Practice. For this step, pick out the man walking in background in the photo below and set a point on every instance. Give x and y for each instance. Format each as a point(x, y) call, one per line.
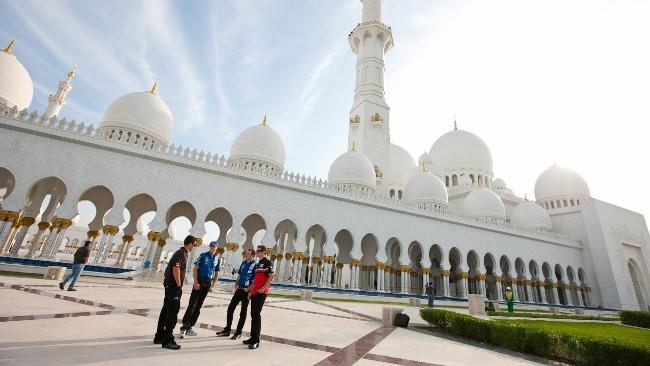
point(173, 282)
point(242, 287)
point(206, 273)
point(80, 260)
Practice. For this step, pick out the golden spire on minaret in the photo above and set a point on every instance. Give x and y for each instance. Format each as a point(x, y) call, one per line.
point(72, 72)
point(153, 88)
point(354, 146)
point(9, 47)
point(455, 124)
point(264, 120)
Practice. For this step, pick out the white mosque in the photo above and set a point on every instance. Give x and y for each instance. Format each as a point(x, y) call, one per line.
point(380, 222)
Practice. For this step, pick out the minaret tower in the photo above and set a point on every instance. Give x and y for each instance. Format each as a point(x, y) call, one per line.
point(57, 101)
point(369, 119)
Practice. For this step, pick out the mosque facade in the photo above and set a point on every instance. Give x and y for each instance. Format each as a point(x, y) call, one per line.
point(380, 221)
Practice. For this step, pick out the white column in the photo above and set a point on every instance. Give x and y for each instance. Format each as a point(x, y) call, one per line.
point(482, 289)
point(445, 281)
point(6, 225)
point(127, 240)
point(557, 292)
point(542, 292)
point(42, 226)
point(530, 291)
point(25, 223)
point(499, 287)
point(51, 239)
point(157, 254)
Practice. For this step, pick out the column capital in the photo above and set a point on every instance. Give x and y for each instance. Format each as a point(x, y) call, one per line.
point(3, 215)
point(154, 235)
point(198, 242)
point(162, 242)
point(110, 229)
point(127, 238)
point(43, 225)
point(498, 278)
point(65, 223)
point(10, 215)
point(355, 263)
point(380, 265)
point(481, 277)
point(554, 284)
point(232, 247)
point(405, 268)
point(426, 271)
point(445, 273)
point(27, 221)
point(463, 275)
point(92, 234)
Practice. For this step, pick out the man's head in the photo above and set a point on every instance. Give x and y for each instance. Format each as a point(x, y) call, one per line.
point(213, 248)
point(188, 243)
point(261, 251)
point(88, 243)
point(249, 254)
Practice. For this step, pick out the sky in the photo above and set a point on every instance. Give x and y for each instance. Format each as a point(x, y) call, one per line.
point(541, 82)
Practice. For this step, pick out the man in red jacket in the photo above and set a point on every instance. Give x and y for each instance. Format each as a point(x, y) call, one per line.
point(257, 295)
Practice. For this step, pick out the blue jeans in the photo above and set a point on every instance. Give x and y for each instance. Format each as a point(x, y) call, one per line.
point(74, 275)
point(430, 298)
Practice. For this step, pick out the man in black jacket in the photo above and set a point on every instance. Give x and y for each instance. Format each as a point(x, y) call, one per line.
point(173, 282)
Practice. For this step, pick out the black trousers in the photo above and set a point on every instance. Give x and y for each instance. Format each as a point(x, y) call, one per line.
point(194, 306)
point(168, 315)
point(239, 296)
point(257, 302)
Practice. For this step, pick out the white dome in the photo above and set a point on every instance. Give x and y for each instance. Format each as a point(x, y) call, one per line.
point(529, 215)
point(352, 168)
point(400, 165)
point(425, 187)
point(499, 184)
point(560, 182)
point(465, 180)
point(484, 203)
point(16, 87)
point(143, 112)
point(426, 159)
point(461, 150)
point(259, 142)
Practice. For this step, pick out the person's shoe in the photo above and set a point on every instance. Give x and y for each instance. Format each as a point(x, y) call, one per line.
point(254, 345)
point(171, 345)
point(190, 332)
point(237, 335)
point(61, 285)
point(157, 341)
point(181, 335)
point(224, 333)
point(72, 289)
point(248, 341)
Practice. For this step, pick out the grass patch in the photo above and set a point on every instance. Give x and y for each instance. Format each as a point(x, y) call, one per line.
point(635, 336)
point(20, 274)
point(551, 316)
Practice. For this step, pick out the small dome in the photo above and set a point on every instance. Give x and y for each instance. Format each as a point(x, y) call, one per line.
point(425, 187)
point(143, 112)
point(461, 150)
point(400, 165)
point(261, 143)
point(560, 182)
point(352, 168)
point(529, 215)
point(16, 87)
point(484, 203)
point(499, 184)
point(425, 159)
point(465, 180)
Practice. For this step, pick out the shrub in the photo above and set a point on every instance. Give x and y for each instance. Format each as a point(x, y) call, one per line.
point(550, 316)
point(636, 318)
point(527, 338)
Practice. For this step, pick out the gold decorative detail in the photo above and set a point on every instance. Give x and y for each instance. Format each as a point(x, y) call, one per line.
point(162, 242)
point(339, 265)
point(43, 225)
point(153, 88)
point(356, 119)
point(378, 172)
point(154, 235)
point(445, 273)
point(264, 120)
point(463, 275)
point(481, 277)
point(426, 271)
point(554, 285)
point(269, 251)
point(92, 234)
point(11, 216)
point(354, 146)
point(380, 265)
point(329, 259)
point(376, 118)
point(298, 256)
point(232, 246)
point(528, 282)
point(220, 250)
point(404, 267)
point(27, 221)
point(288, 256)
point(65, 223)
point(198, 242)
point(110, 229)
point(3, 215)
point(127, 238)
point(9, 47)
point(72, 72)
point(513, 281)
point(355, 263)
point(498, 278)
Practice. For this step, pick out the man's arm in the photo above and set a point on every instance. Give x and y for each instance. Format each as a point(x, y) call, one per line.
point(177, 276)
point(195, 274)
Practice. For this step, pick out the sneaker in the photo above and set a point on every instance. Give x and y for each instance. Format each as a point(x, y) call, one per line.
point(248, 341)
point(224, 333)
point(254, 345)
point(190, 332)
point(237, 335)
point(181, 335)
point(61, 285)
point(171, 345)
point(72, 289)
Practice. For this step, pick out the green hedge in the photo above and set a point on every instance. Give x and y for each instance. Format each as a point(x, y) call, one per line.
point(636, 318)
point(533, 340)
point(550, 316)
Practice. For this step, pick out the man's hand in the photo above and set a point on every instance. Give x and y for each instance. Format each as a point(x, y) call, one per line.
point(249, 295)
point(196, 286)
point(210, 289)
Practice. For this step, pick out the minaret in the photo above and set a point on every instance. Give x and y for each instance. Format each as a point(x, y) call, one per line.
point(57, 101)
point(369, 119)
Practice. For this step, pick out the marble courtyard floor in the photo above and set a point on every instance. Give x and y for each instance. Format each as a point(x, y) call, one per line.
point(111, 322)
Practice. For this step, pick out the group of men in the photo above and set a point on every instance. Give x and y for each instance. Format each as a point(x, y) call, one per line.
point(252, 286)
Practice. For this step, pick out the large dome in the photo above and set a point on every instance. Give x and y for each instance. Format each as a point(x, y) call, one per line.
point(461, 150)
point(529, 215)
point(425, 187)
point(353, 169)
point(484, 203)
point(16, 87)
point(400, 165)
point(259, 143)
point(143, 112)
point(560, 182)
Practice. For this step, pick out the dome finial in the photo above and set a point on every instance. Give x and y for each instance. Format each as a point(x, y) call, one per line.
point(455, 124)
point(72, 72)
point(264, 120)
point(354, 146)
point(153, 88)
point(9, 47)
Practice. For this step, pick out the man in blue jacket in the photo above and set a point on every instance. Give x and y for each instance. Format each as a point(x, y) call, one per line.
point(242, 286)
point(206, 273)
